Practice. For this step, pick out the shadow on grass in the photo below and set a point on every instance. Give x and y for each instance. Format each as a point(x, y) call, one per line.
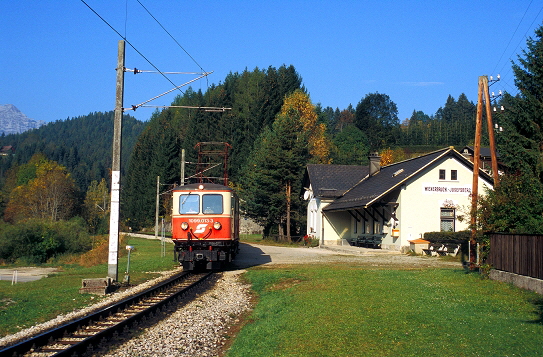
point(538, 304)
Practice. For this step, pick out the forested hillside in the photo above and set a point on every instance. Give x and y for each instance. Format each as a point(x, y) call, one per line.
point(81, 144)
point(271, 114)
point(256, 98)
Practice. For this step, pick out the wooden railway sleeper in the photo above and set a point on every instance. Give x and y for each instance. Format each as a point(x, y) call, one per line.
point(93, 332)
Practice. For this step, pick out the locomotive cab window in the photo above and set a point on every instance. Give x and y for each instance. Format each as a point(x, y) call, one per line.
point(212, 204)
point(189, 204)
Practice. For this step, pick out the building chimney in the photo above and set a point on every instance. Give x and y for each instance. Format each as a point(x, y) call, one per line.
point(375, 163)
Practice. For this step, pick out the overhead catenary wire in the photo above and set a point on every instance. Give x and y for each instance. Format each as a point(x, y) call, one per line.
point(512, 36)
point(134, 48)
point(525, 35)
point(173, 38)
point(508, 76)
point(135, 70)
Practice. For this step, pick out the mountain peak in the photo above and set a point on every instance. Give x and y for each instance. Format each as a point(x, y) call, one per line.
point(13, 121)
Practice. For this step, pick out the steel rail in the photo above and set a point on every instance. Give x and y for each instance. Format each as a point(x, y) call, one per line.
point(72, 328)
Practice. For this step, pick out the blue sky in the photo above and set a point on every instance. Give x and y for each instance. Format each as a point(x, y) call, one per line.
point(57, 58)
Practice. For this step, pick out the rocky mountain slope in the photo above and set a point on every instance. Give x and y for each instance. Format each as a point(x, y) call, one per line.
point(13, 121)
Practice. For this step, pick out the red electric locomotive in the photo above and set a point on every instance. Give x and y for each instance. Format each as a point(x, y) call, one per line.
point(205, 225)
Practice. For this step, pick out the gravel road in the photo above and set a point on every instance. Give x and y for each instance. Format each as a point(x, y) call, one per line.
point(263, 255)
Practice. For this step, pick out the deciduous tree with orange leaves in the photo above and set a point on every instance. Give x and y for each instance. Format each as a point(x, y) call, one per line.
point(50, 195)
point(298, 103)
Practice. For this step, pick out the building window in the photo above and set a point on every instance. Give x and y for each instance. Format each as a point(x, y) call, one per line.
point(376, 227)
point(447, 219)
point(454, 175)
point(442, 174)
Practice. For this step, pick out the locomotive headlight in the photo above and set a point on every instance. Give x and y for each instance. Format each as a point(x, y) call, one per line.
point(217, 225)
point(184, 226)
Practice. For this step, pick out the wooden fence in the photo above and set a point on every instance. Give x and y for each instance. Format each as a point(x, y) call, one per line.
point(516, 253)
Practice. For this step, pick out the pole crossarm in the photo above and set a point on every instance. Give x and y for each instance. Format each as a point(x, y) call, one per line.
point(207, 109)
point(136, 71)
point(134, 107)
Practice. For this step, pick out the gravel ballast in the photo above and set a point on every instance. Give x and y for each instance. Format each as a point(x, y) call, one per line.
point(199, 328)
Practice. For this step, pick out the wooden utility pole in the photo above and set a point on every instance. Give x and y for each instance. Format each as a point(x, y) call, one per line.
point(476, 163)
point(288, 193)
point(483, 88)
point(490, 126)
point(113, 258)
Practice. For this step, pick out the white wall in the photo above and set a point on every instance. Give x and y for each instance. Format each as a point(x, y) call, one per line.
point(337, 226)
point(419, 205)
point(421, 199)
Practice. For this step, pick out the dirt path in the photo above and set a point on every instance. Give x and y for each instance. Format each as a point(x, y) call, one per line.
point(25, 274)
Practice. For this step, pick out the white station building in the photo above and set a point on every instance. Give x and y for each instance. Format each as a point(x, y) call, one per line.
point(392, 204)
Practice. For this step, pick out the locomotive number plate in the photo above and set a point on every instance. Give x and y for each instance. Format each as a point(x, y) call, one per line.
point(201, 220)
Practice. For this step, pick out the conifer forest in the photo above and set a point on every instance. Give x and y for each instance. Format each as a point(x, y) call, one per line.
point(274, 131)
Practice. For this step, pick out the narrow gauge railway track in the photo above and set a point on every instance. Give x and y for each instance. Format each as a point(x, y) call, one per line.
point(82, 335)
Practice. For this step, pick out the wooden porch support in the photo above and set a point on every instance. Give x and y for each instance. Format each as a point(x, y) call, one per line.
point(361, 215)
point(371, 215)
point(388, 208)
point(354, 216)
point(380, 215)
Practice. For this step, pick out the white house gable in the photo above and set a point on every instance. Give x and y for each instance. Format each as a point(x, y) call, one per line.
point(397, 203)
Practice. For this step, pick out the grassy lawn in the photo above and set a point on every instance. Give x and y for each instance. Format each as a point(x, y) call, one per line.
point(358, 311)
point(328, 310)
point(25, 304)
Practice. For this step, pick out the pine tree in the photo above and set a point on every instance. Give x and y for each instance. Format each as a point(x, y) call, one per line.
point(377, 115)
point(275, 167)
point(521, 144)
point(515, 205)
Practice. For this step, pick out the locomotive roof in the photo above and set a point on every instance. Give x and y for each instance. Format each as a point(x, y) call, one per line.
point(207, 186)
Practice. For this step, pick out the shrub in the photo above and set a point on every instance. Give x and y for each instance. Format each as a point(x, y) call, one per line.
point(448, 237)
point(461, 238)
point(36, 241)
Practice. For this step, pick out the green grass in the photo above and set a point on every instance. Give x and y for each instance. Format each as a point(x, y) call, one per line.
point(354, 311)
point(25, 304)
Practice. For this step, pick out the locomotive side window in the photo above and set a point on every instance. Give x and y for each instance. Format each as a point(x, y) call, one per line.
point(189, 204)
point(212, 204)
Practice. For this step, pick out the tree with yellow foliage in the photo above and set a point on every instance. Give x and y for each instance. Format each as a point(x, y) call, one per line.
point(50, 195)
point(275, 167)
point(298, 103)
point(96, 205)
point(389, 156)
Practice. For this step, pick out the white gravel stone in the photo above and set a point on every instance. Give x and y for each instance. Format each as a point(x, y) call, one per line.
point(198, 328)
